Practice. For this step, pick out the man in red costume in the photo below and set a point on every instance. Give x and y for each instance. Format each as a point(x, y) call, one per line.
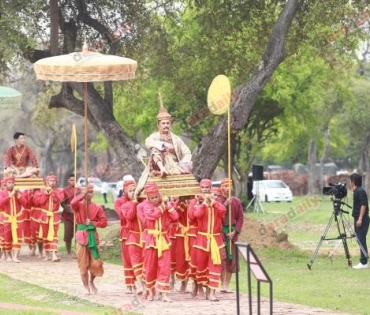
point(89, 216)
point(69, 192)
point(48, 200)
point(133, 245)
point(210, 215)
point(231, 233)
point(205, 186)
point(35, 215)
point(29, 225)
point(20, 161)
point(128, 271)
point(157, 256)
point(11, 202)
point(182, 240)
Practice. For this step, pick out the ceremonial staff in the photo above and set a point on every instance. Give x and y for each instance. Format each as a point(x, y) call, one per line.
point(74, 150)
point(218, 100)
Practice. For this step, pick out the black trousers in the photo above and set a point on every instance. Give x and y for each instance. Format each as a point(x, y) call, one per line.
point(361, 233)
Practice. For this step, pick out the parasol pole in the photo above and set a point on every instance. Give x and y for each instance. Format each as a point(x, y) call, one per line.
point(86, 146)
point(229, 169)
point(74, 149)
point(218, 100)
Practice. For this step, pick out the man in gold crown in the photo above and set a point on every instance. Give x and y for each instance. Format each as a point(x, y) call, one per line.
point(169, 155)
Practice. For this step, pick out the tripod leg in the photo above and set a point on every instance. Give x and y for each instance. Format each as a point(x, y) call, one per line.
point(343, 237)
point(323, 237)
point(251, 202)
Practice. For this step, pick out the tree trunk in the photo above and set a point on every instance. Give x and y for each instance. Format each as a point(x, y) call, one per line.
point(323, 157)
point(54, 27)
point(365, 160)
point(100, 115)
point(212, 147)
point(311, 166)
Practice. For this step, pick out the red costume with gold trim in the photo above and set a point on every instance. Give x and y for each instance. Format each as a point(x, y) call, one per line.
point(128, 271)
point(11, 203)
point(209, 242)
point(30, 226)
point(157, 255)
point(20, 157)
point(182, 242)
point(134, 234)
point(192, 234)
point(48, 203)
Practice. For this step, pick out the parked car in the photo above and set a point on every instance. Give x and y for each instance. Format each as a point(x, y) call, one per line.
point(272, 190)
point(112, 186)
point(92, 181)
point(216, 183)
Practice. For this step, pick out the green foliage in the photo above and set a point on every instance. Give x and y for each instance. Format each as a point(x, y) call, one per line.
point(182, 45)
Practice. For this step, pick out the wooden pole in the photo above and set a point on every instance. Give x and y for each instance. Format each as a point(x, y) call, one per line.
point(86, 147)
point(229, 169)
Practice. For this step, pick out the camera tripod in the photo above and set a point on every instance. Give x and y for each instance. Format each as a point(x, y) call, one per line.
point(256, 202)
point(342, 226)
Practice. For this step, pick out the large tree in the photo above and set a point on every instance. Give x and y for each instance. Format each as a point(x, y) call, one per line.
point(258, 35)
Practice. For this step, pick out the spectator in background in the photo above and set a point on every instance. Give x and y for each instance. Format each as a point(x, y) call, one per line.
point(104, 191)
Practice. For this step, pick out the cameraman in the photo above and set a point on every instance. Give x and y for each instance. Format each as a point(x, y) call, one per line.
point(360, 213)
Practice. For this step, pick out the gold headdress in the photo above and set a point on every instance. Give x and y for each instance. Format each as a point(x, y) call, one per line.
point(162, 114)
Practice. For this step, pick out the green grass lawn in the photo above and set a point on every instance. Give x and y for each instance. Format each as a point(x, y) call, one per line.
point(43, 301)
point(331, 284)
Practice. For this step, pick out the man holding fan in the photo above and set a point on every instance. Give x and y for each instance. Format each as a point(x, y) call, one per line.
point(231, 228)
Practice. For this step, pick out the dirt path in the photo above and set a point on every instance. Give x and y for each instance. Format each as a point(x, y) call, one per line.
point(64, 277)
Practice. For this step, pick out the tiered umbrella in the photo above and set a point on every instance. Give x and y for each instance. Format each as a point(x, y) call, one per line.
point(85, 66)
point(9, 98)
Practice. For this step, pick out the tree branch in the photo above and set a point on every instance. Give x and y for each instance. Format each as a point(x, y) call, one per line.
point(213, 146)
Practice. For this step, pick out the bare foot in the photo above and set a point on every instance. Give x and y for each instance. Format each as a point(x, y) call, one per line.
point(151, 295)
point(128, 290)
point(194, 289)
point(144, 295)
point(87, 290)
point(93, 288)
point(9, 259)
point(183, 287)
point(56, 259)
point(139, 290)
point(207, 293)
point(165, 298)
point(16, 260)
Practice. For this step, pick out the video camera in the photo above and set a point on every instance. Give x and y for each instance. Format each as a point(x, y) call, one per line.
point(338, 190)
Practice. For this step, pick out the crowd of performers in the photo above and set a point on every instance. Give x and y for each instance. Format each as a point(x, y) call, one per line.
point(162, 239)
point(33, 216)
point(182, 238)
